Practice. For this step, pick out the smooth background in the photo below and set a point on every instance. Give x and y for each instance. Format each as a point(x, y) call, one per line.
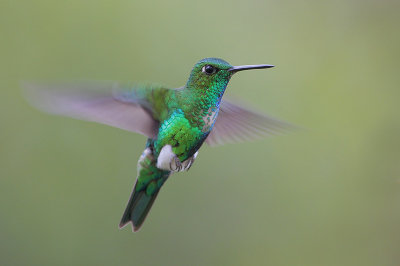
point(326, 195)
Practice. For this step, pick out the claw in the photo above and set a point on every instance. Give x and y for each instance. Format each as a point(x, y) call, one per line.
point(189, 162)
point(178, 164)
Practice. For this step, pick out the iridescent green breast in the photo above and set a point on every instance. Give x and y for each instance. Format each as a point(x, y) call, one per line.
point(178, 132)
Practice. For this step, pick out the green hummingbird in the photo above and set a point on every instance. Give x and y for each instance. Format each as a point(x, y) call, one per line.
point(176, 121)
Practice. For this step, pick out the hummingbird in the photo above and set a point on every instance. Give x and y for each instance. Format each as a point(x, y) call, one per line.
point(176, 121)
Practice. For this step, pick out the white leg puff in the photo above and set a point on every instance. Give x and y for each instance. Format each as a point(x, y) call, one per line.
point(167, 160)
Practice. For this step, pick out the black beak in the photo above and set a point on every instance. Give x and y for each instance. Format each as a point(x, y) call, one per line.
point(248, 67)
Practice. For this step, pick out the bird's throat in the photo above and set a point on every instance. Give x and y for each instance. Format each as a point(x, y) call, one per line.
point(201, 105)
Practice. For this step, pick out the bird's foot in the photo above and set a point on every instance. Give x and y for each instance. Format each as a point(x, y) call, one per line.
point(189, 162)
point(175, 164)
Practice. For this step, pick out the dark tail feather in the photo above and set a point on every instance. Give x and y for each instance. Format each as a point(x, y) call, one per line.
point(137, 209)
point(148, 184)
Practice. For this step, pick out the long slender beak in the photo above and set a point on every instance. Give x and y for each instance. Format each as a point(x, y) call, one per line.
point(248, 67)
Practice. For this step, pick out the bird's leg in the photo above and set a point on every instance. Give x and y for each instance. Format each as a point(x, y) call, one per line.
point(189, 162)
point(167, 160)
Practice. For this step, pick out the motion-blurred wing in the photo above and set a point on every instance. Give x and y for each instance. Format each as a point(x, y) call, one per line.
point(237, 123)
point(103, 103)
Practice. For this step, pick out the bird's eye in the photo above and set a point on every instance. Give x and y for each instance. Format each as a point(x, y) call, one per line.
point(209, 70)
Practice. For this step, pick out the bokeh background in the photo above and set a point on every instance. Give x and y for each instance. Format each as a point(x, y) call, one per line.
point(328, 194)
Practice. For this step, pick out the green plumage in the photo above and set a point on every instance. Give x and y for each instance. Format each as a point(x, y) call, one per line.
point(185, 121)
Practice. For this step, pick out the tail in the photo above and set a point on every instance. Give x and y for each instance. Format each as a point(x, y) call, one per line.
point(137, 209)
point(148, 184)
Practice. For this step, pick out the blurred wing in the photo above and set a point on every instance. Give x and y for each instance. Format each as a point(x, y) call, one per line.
point(236, 123)
point(97, 102)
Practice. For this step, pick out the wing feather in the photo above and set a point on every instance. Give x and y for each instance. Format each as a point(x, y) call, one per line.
point(238, 123)
point(100, 102)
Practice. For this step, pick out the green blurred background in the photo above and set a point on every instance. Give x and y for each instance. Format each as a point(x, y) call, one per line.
point(325, 195)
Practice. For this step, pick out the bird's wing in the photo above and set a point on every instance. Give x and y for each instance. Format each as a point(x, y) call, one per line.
point(237, 123)
point(102, 102)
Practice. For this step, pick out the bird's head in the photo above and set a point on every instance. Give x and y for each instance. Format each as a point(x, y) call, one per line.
point(213, 74)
